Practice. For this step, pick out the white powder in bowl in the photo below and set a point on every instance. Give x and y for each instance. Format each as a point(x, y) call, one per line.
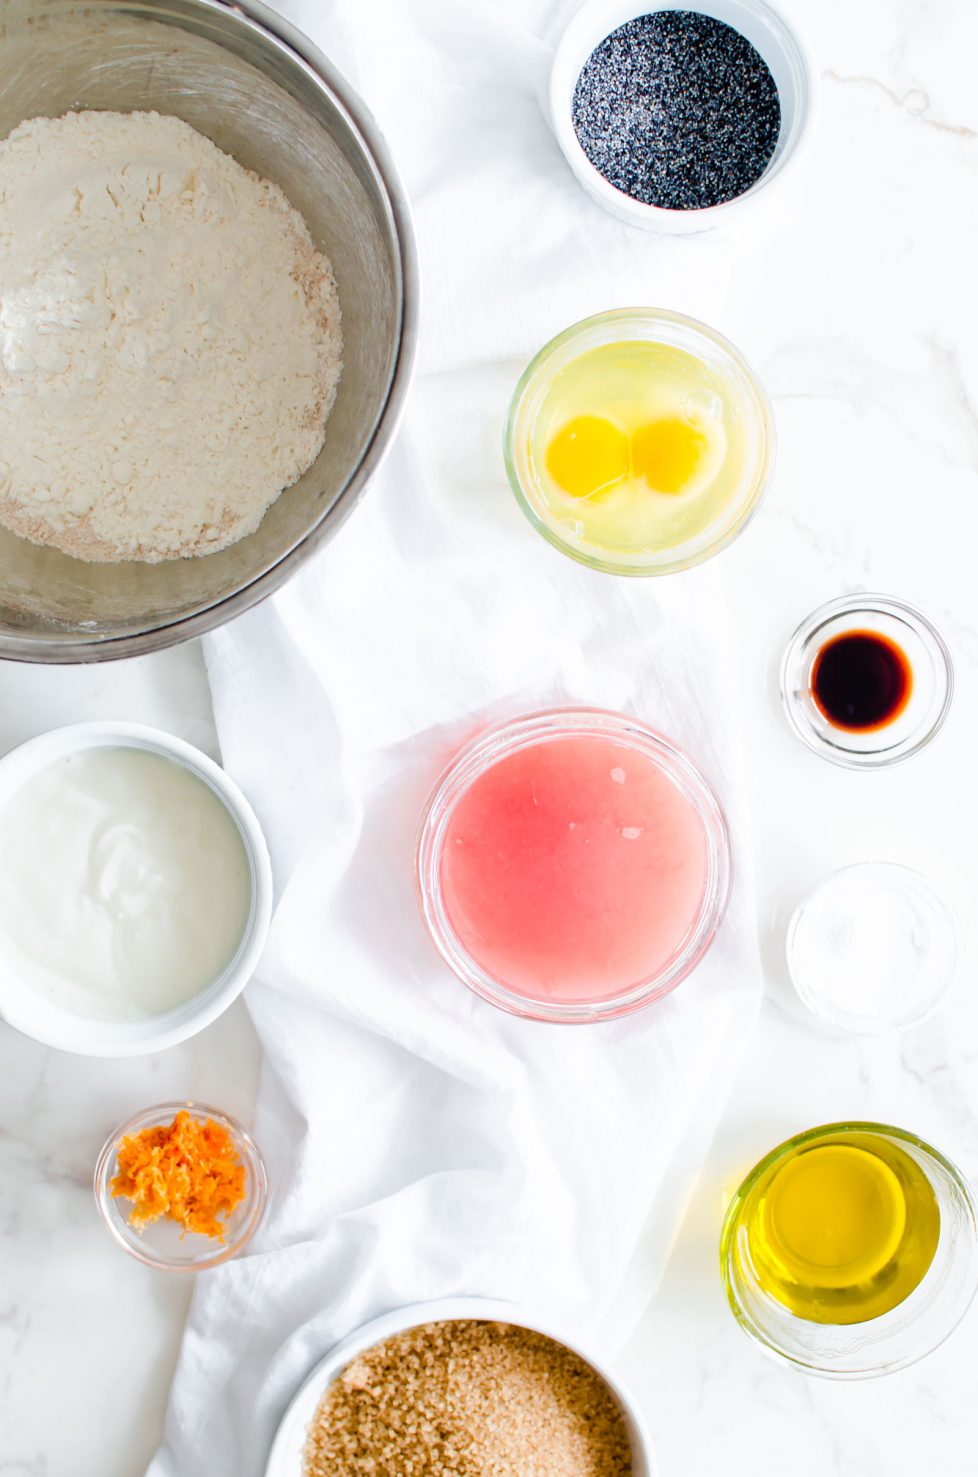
point(169, 339)
point(872, 948)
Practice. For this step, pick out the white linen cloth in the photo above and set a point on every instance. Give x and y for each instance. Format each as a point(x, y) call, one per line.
point(419, 1142)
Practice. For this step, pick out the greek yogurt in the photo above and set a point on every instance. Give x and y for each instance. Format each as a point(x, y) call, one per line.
point(125, 886)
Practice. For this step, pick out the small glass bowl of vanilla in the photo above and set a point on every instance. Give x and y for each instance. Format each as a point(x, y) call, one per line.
point(639, 442)
point(851, 1250)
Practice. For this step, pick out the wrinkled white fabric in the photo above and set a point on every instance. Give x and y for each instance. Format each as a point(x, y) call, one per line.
point(419, 1142)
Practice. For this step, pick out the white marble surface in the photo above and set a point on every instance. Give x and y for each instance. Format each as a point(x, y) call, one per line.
point(860, 315)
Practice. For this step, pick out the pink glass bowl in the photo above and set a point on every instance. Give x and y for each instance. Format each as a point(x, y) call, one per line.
point(541, 728)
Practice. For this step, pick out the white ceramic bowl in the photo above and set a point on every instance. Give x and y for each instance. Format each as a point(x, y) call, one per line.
point(765, 25)
point(286, 1456)
point(28, 1012)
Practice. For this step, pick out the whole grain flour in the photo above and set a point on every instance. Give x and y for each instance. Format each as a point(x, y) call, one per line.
point(170, 339)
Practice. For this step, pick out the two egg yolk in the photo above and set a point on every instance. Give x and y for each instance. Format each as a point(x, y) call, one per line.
point(590, 454)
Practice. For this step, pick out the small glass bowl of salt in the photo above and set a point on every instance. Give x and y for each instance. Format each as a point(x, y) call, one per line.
point(872, 949)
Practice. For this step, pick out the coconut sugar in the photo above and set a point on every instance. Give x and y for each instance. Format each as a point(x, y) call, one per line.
point(470, 1399)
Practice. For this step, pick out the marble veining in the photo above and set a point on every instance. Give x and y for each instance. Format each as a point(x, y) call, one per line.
point(858, 309)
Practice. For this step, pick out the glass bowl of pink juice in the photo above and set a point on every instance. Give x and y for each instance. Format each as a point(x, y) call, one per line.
point(573, 865)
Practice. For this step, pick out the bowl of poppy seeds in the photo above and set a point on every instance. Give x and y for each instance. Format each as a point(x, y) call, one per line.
point(674, 119)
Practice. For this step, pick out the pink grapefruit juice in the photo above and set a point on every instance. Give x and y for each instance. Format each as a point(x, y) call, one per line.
point(574, 869)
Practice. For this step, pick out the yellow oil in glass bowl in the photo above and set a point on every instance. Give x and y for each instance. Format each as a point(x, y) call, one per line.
point(639, 441)
point(851, 1250)
point(842, 1230)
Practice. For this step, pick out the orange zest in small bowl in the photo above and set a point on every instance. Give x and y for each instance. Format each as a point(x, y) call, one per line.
point(188, 1170)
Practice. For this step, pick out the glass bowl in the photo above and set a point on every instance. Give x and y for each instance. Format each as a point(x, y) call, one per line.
point(930, 696)
point(162, 1244)
point(528, 732)
point(655, 325)
point(914, 1328)
point(868, 978)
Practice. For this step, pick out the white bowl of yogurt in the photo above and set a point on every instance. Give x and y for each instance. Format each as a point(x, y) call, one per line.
point(135, 889)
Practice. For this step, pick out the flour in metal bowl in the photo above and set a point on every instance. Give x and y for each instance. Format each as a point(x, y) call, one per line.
point(169, 339)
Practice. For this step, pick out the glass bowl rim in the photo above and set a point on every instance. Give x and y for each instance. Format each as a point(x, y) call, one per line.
point(772, 1157)
point(159, 1114)
point(869, 603)
point(608, 564)
point(490, 745)
point(927, 888)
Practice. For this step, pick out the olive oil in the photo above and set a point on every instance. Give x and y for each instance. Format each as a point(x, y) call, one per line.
point(841, 1230)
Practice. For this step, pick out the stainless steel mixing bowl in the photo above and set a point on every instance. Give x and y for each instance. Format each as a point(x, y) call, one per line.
point(248, 80)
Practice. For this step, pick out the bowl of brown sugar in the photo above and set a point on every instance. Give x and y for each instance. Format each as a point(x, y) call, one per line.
point(461, 1386)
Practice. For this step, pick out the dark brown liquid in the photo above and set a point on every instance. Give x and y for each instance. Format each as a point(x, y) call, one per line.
point(861, 681)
